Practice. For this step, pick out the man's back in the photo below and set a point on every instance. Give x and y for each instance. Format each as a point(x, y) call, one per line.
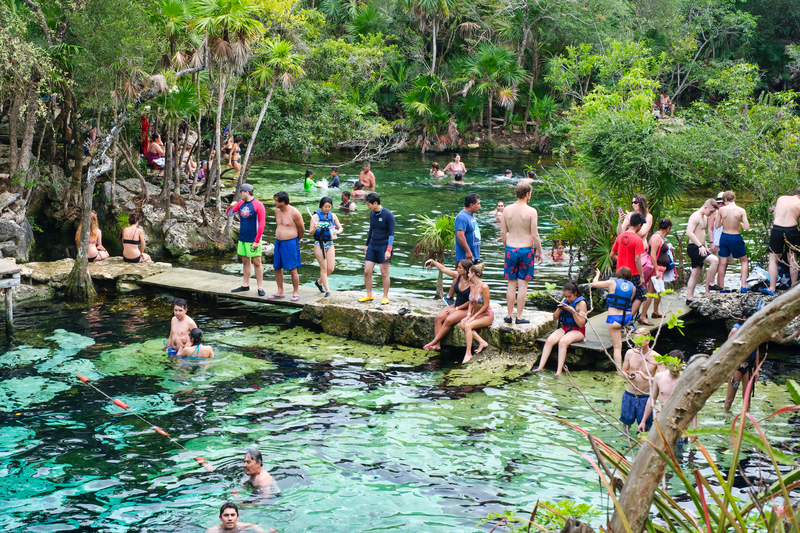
point(518, 219)
point(787, 211)
point(627, 246)
point(731, 217)
point(665, 381)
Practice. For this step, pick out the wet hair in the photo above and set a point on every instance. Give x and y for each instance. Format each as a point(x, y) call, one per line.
point(522, 189)
point(358, 186)
point(325, 200)
point(346, 194)
point(679, 354)
point(477, 269)
point(531, 174)
point(499, 202)
point(435, 166)
point(748, 312)
point(309, 173)
point(226, 506)
point(471, 199)
point(458, 176)
point(466, 264)
point(637, 219)
point(282, 197)
point(373, 198)
point(196, 335)
point(642, 199)
point(624, 273)
point(664, 91)
point(367, 164)
point(180, 302)
point(335, 169)
point(711, 203)
point(155, 136)
point(664, 223)
point(238, 139)
point(641, 332)
point(573, 288)
point(254, 454)
point(509, 172)
point(729, 196)
point(456, 155)
point(134, 218)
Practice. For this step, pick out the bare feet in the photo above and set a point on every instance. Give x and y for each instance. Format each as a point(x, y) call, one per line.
point(430, 346)
point(466, 358)
point(481, 346)
point(535, 370)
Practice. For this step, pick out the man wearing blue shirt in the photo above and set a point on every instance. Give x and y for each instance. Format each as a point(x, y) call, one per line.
point(379, 245)
point(468, 235)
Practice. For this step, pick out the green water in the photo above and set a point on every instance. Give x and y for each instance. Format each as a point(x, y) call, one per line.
point(358, 437)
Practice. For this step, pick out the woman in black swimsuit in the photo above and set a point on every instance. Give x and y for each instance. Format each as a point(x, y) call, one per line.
point(133, 241)
point(235, 154)
point(452, 314)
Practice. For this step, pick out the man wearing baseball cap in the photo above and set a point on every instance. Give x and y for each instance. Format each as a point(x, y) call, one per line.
point(252, 218)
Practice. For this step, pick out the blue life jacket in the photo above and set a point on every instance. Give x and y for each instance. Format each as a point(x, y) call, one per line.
point(752, 357)
point(567, 319)
point(324, 226)
point(623, 295)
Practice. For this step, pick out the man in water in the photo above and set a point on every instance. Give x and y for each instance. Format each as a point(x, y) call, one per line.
point(733, 220)
point(698, 252)
point(347, 204)
point(627, 251)
point(252, 218)
point(520, 235)
point(638, 368)
point(379, 246)
point(334, 178)
point(229, 516)
point(366, 177)
point(508, 175)
point(468, 235)
point(256, 476)
point(784, 229)
point(287, 245)
point(663, 386)
point(180, 326)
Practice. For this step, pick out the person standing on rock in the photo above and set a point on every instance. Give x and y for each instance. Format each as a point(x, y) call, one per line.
point(783, 237)
point(627, 251)
point(287, 245)
point(520, 235)
point(252, 218)
point(378, 250)
point(733, 220)
point(325, 226)
point(468, 235)
point(698, 252)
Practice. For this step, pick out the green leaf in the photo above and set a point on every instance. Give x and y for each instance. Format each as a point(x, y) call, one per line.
point(794, 390)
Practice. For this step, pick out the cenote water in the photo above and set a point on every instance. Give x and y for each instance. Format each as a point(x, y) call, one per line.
point(358, 437)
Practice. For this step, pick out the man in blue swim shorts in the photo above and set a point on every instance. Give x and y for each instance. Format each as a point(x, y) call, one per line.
point(287, 245)
point(733, 220)
point(520, 235)
point(180, 326)
point(638, 369)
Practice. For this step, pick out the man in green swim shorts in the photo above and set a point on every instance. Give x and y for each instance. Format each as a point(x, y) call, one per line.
point(252, 218)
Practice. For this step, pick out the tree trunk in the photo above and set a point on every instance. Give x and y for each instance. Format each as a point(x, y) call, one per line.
point(433, 44)
point(193, 193)
point(520, 57)
point(13, 119)
point(126, 153)
point(169, 168)
point(697, 383)
point(26, 153)
point(77, 171)
point(489, 118)
point(217, 140)
point(113, 199)
point(246, 160)
point(534, 75)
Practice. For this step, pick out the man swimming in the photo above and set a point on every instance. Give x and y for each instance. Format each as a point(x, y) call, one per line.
point(180, 326)
point(347, 204)
point(358, 191)
point(229, 516)
point(334, 178)
point(256, 476)
point(366, 177)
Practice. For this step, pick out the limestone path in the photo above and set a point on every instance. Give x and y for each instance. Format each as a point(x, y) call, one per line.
point(670, 303)
point(221, 284)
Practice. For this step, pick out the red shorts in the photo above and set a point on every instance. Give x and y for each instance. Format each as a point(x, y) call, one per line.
point(567, 329)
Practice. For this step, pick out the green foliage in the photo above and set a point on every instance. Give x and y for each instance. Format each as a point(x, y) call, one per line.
point(436, 236)
point(122, 221)
point(548, 515)
point(794, 390)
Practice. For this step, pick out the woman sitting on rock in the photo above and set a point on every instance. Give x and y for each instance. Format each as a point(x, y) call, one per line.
point(96, 251)
point(571, 316)
point(133, 241)
point(155, 153)
point(479, 311)
point(452, 314)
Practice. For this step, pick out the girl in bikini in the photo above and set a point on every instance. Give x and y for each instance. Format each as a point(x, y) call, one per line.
point(192, 349)
point(96, 251)
point(456, 165)
point(456, 311)
point(479, 311)
point(133, 241)
point(235, 154)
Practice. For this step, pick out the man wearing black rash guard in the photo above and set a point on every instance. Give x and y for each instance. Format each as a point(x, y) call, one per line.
point(379, 245)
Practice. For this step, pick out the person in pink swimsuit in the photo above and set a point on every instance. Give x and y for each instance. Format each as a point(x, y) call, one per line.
point(479, 312)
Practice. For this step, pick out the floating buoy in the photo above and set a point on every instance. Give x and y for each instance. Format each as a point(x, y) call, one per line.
point(120, 403)
point(85, 380)
point(161, 431)
point(205, 464)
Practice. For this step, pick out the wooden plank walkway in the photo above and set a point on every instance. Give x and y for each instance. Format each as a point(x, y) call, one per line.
point(220, 285)
point(671, 303)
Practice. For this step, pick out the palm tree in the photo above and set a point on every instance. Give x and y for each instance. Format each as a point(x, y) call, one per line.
point(425, 106)
point(430, 14)
point(436, 237)
point(229, 27)
point(493, 72)
point(174, 19)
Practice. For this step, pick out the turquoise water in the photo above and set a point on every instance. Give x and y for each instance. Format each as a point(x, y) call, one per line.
point(358, 437)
